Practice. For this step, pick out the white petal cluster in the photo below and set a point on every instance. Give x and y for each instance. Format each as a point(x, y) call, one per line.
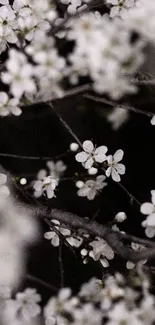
point(89, 156)
point(141, 19)
point(49, 65)
point(116, 58)
point(23, 309)
point(52, 235)
point(9, 106)
point(148, 208)
point(101, 251)
point(56, 308)
point(47, 182)
point(92, 187)
point(21, 20)
point(118, 117)
point(115, 169)
point(110, 301)
point(46, 185)
point(121, 7)
point(19, 74)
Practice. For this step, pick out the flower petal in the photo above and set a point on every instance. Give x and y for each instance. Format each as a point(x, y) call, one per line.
point(115, 176)
point(89, 163)
point(101, 150)
point(120, 169)
point(38, 185)
point(88, 146)
point(108, 171)
point(151, 220)
point(91, 194)
point(118, 155)
point(81, 156)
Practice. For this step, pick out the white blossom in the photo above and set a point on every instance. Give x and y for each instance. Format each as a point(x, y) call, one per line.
point(54, 236)
point(27, 303)
point(91, 155)
point(19, 74)
point(101, 251)
point(118, 117)
point(148, 209)
point(57, 306)
point(57, 168)
point(91, 187)
point(114, 167)
point(121, 8)
point(46, 185)
point(9, 106)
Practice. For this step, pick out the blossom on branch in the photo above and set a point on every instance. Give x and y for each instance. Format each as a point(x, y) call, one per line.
point(91, 155)
point(115, 169)
point(92, 187)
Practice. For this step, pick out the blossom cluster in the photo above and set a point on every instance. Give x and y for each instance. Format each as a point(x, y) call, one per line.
point(48, 183)
point(111, 302)
point(35, 71)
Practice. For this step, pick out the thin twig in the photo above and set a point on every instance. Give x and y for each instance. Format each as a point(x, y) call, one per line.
point(42, 282)
point(115, 104)
point(9, 155)
point(61, 265)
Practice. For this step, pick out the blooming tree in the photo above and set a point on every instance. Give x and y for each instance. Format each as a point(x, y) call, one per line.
point(53, 50)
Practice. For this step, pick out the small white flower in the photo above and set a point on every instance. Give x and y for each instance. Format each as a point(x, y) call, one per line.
point(47, 184)
point(56, 169)
point(91, 155)
point(101, 251)
point(19, 74)
point(9, 106)
point(92, 187)
point(27, 303)
point(52, 235)
point(114, 167)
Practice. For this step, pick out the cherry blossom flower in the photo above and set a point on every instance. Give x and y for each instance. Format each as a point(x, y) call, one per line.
point(91, 155)
point(54, 311)
point(114, 167)
point(120, 8)
point(27, 303)
point(57, 168)
point(9, 106)
point(118, 117)
point(46, 185)
point(92, 187)
point(19, 74)
point(54, 237)
point(148, 209)
point(101, 251)
point(82, 316)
